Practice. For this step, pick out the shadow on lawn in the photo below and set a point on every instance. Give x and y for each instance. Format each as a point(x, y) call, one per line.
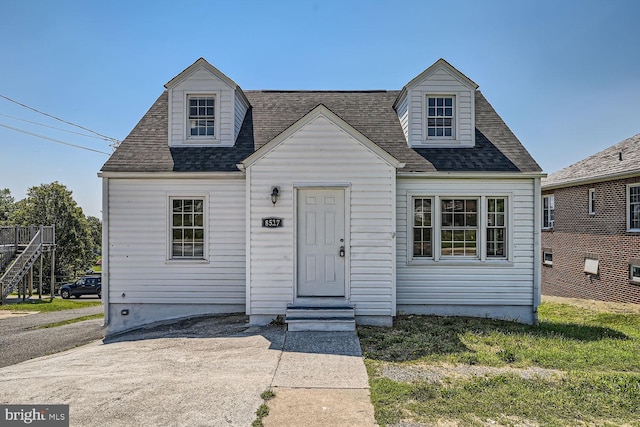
point(413, 337)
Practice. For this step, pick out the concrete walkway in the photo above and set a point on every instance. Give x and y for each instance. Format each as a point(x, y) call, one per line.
point(201, 372)
point(320, 381)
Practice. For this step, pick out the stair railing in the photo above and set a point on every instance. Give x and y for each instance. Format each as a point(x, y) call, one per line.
point(16, 271)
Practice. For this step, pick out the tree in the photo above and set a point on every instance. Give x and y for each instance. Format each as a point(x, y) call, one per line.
point(95, 234)
point(6, 205)
point(53, 204)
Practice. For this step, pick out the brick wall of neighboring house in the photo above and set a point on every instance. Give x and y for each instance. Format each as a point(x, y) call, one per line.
point(577, 234)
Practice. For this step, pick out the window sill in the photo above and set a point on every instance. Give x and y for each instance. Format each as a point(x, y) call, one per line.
point(547, 264)
point(634, 282)
point(186, 261)
point(196, 140)
point(447, 262)
point(442, 143)
point(547, 230)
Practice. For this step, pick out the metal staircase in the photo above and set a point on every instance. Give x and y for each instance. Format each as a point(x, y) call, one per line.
point(38, 238)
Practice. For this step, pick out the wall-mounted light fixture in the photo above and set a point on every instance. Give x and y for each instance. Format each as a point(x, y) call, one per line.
point(275, 193)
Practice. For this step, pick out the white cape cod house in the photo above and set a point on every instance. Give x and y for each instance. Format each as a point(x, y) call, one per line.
point(338, 205)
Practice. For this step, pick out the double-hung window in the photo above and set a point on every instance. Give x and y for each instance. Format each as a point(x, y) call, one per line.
point(441, 116)
point(187, 228)
point(496, 227)
point(202, 116)
point(459, 227)
point(422, 227)
point(548, 211)
point(633, 207)
point(444, 227)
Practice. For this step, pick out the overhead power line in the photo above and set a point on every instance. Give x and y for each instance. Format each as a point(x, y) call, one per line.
point(54, 140)
point(114, 140)
point(60, 129)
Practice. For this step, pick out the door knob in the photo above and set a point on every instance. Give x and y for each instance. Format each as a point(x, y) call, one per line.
point(341, 251)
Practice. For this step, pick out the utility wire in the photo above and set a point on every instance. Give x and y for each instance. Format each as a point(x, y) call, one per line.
point(60, 129)
point(54, 140)
point(59, 119)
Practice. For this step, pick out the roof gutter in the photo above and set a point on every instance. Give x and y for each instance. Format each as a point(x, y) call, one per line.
point(472, 175)
point(591, 179)
point(172, 175)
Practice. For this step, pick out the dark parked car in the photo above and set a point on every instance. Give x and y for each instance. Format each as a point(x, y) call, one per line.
point(90, 285)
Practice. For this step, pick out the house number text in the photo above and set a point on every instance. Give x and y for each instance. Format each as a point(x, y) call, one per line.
point(271, 222)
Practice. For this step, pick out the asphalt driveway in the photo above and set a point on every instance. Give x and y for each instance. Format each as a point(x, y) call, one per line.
point(21, 339)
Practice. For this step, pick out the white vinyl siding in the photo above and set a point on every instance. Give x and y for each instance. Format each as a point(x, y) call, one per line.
point(442, 83)
point(473, 282)
point(241, 107)
point(321, 154)
point(140, 267)
point(202, 83)
point(403, 115)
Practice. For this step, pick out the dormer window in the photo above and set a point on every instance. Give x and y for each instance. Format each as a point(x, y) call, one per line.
point(441, 116)
point(202, 116)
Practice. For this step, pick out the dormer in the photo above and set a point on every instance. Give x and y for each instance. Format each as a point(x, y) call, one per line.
point(206, 108)
point(437, 108)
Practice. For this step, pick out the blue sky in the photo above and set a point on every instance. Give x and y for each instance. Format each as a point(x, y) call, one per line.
point(564, 75)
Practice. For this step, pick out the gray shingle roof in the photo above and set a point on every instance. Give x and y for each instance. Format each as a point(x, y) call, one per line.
point(619, 159)
point(146, 148)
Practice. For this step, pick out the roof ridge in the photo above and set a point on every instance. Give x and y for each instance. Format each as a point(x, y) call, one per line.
point(611, 149)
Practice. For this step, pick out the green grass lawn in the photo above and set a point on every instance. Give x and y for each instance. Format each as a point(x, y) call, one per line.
point(578, 367)
point(46, 304)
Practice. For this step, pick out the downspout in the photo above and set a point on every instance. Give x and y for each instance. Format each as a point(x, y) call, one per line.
point(537, 250)
point(105, 250)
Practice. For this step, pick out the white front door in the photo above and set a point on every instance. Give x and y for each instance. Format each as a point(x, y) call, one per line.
point(321, 243)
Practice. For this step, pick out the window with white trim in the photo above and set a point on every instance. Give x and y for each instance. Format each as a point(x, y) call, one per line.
point(634, 273)
point(446, 227)
point(633, 207)
point(496, 227)
point(187, 228)
point(548, 211)
point(422, 227)
point(592, 201)
point(441, 118)
point(547, 257)
point(202, 116)
point(459, 227)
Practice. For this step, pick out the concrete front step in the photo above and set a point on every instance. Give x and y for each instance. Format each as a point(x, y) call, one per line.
point(314, 318)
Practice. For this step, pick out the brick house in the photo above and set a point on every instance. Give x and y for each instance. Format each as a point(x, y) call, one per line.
point(591, 227)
